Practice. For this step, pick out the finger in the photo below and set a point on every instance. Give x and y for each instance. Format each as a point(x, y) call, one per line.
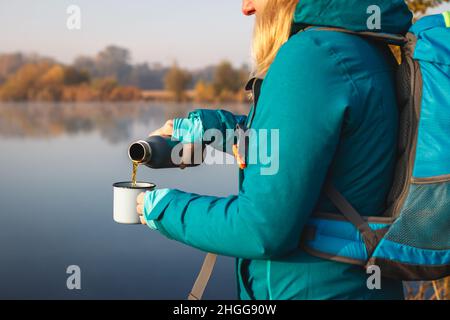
point(140, 209)
point(155, 133)
point(142, 220)
point(169, 128)
point(141, 197)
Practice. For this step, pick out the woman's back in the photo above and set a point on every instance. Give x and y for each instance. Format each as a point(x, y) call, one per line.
point(345, 108)
point(364, 162)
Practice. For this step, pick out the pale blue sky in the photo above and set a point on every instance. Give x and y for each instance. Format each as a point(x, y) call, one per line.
point(194, 32)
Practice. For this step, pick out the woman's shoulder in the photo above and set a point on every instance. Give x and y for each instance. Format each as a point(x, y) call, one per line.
point(310, 59)
point(317, 39)
point(318, 52)
point(325, 60)
point(342, 52)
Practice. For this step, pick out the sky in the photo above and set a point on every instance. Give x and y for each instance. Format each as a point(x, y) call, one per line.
point(195, 33)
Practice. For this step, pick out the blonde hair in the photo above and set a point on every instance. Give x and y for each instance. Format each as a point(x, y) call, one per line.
point(272, 29)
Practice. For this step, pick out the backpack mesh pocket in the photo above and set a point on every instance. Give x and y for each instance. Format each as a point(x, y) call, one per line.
point(424, 219)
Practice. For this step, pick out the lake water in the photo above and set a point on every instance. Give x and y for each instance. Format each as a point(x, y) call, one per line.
point(57, 166)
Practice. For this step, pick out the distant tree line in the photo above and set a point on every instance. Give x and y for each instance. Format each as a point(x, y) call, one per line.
point(109, 76)
point(23, 79)
point(225, 84)
point(114, 62)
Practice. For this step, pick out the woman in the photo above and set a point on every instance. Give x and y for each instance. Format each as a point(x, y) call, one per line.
point(331, 96)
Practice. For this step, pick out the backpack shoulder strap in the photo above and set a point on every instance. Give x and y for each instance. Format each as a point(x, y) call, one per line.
point(371, 237)
point(203, 277)
point(346, 208)
point(394, 39)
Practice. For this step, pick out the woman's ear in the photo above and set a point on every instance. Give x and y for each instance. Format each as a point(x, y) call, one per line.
point(248, 7)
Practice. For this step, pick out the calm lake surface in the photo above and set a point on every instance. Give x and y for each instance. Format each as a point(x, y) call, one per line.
point(57, 166)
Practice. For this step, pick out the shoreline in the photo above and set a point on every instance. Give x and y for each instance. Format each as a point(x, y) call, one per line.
point(146, 95)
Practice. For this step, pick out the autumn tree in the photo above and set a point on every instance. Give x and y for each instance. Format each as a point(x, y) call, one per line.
point(73, 76)
point(114, 61)
point(226, 78)
point(10, 63)
point(104, 86)
point(24, 84)
point(177, 81)
point(419, 7)
point(204, 92)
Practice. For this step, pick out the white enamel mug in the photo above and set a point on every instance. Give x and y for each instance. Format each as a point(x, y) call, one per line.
point(125, 196)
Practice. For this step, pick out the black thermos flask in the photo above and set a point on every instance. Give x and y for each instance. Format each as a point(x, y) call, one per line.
point(159, 152)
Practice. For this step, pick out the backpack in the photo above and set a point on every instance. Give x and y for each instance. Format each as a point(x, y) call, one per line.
point(411, 241)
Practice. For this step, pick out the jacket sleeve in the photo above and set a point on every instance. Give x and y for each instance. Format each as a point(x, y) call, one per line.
point(305, 104)
point(193, 128)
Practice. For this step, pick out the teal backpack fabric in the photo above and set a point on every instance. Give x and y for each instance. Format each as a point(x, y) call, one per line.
point(332, 98)
point(412, 241)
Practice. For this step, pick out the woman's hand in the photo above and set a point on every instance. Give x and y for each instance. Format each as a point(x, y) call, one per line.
point(165, 130)
point(140, 207)
point(152, 198)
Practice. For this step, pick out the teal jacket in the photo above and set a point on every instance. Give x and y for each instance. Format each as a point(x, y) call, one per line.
point(331, 96)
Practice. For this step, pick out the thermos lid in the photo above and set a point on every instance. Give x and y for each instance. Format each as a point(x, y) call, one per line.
point(139, 151)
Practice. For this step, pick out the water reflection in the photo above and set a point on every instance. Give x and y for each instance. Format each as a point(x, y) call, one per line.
point(57, 165)
point(112, 120)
